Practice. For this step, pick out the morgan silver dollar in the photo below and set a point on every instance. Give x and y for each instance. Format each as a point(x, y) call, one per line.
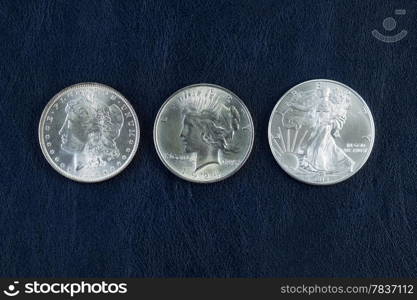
point(89, 132)
point(321, 132)
point(203, 133)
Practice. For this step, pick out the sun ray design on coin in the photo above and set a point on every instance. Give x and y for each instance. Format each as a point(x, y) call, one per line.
point(312, 136)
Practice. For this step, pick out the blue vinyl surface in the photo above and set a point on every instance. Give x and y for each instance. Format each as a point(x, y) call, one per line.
point(146, 222)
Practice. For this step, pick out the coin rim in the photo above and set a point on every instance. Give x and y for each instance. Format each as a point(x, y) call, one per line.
point(249, 151)
point(46, 111)
point(372, 128)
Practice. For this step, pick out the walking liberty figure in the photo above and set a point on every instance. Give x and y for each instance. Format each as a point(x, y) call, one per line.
point(323, 113)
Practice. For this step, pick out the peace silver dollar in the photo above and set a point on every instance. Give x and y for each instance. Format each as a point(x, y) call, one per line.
point(89, 132)
point(321, 132)
point(203, 133)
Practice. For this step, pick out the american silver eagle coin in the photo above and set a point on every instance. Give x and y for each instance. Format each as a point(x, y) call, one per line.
point(321, 132)
point(203, 133)
point(89, 132)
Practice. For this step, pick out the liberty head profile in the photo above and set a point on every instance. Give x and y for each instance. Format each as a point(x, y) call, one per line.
point(89, 132)
point(208, 128)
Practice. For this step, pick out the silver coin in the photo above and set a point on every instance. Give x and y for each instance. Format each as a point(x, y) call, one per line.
point(321, 132)
point(89, 132)
point(203, 133)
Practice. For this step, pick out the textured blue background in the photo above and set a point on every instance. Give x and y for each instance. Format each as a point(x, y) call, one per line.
point(260, 222)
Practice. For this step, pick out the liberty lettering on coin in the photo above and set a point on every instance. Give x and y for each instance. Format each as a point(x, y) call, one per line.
point(89, 132)
point(203, 133)
point(321, 132)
